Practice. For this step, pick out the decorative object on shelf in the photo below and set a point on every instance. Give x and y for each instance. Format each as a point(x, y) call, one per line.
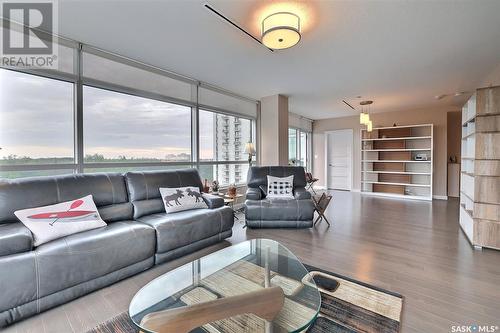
point(421, 157)
point(394, 125)
point(281, 30)
point(206, 187)
point(215, 186)
point(250, 150)
point(231, 190)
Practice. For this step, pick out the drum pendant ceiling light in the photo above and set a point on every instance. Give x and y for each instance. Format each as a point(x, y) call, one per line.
point(281, 30)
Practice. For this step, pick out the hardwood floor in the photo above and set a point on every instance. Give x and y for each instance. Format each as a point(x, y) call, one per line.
point(410, 247)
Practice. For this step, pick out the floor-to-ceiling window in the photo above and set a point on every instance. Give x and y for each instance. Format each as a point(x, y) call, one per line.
point(292, 146)
point(36, 125)
point(121, 128)
point(299, 148)
point(111, 113)
point(222, 145)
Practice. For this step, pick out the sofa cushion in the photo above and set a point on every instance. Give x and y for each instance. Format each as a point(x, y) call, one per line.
point(279, 187)
point(182, 228)
point(17, 280)
point(14, 238)
point(257, 175)
point(108, 190)
point(144, 188)
point(81, 257)
point(63, 219)
point(279, 209)
point(182, 198)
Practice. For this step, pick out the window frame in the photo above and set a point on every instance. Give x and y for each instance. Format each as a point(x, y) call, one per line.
point(226, 162)
point(79, 81)
point(298, 147)
point(63, 77)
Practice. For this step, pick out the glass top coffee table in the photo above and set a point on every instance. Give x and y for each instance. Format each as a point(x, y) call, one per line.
point(254, 286)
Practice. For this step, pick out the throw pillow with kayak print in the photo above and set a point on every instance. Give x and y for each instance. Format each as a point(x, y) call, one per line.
point(181, 198)
point(66, 218)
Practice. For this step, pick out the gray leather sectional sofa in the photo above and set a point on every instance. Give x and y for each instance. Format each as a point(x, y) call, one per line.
point(139, 234)
point(262, 212)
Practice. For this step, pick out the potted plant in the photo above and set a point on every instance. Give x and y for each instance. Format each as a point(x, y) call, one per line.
point(231, 190)
point(215, 187)
point(206, 187)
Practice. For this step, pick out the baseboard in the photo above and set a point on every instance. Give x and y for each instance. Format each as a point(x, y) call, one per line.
point(440, 197)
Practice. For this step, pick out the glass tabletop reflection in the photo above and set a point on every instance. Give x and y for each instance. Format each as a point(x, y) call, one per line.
point(254, 286)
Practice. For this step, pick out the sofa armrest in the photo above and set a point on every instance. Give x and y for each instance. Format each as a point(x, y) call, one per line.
point(14, 238)
point(212, 201)
point(301, 193)
point(254, 194)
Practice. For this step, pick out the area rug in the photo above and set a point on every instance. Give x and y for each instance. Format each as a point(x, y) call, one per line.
point(347, 306)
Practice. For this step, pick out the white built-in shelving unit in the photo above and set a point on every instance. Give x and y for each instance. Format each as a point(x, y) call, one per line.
point(397, 161)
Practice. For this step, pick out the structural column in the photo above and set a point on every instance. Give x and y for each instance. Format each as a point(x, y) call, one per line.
point(273, 130)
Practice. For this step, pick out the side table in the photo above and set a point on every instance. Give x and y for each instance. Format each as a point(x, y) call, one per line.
point(229, 200)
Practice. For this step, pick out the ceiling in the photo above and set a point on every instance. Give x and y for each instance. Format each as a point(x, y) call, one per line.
point(399, 53)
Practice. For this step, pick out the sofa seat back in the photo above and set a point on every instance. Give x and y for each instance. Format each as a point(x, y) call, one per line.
point(143, 188)
point(108, 190)
point(257, 175)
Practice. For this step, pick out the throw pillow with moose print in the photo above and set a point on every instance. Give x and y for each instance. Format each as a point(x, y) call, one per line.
point(181, 198)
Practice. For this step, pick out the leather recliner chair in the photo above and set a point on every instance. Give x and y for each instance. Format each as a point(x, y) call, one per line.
point(263, 212)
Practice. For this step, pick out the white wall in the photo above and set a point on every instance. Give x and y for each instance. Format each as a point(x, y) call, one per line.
point(274, 130)
point(300, 122)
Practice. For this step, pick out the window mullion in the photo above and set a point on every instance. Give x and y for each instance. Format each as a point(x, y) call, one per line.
point(195, 131)
point(78, 100)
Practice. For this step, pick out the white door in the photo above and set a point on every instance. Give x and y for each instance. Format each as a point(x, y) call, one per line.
point(339, 159)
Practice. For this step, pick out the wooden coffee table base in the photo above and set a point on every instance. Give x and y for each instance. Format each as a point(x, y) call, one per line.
point(265, 303)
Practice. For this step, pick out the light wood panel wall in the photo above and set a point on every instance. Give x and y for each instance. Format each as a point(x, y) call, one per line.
point(388, 166)
point(481, 223)
point(394, 189)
